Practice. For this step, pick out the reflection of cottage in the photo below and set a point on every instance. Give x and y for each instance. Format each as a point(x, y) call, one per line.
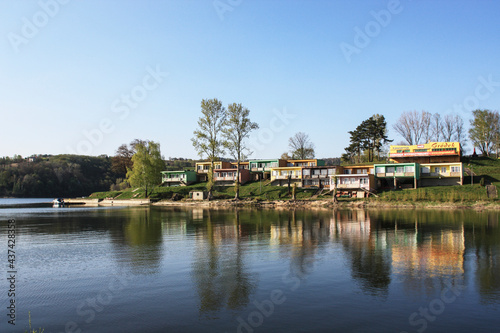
point(178, 178)
point(228, 176)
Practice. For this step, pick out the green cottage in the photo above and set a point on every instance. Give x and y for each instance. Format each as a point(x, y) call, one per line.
point(397, 175)
point(262, 168)
point(178, 178)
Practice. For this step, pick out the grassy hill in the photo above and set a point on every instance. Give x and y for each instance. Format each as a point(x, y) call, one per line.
point(483, 167)
point(253, 190)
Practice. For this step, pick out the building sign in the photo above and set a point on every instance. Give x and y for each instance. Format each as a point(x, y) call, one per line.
point(428, 149)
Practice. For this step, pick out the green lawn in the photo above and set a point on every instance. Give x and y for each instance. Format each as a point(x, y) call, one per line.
point(253, 190)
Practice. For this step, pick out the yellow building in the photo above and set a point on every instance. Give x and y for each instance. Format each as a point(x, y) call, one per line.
point(202, 168)
point(432, 152)
point(307, 162)
point(435, 174)
point(280, 175)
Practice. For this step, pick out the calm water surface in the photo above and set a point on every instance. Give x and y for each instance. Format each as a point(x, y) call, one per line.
point(195, 270)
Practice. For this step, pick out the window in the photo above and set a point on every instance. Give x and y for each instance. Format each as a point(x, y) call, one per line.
point(436, 169)
point(307, 172)
point(316, 172)
point(331, 171)
point(275, 173)
point(420, 150)
point(324, 172)
point(400, 169)
point(425, 170)
point(410, 169)
point(379, 170)
point(363, 181)
point(455, 169)
point(390, 170)
point(443, 170)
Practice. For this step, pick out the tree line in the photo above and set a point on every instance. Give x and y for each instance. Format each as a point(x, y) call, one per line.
point(60, 175)
point(368, 139)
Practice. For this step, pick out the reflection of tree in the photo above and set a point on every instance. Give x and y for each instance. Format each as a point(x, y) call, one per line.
point(218, 270)
point(309, 231)
point(139, 240)
point(486, 238)
point(362, 238)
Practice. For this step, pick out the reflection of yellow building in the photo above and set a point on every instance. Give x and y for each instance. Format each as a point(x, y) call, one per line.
point(439, 255)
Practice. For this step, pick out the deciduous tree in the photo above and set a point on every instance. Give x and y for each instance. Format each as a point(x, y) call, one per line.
point(484, 130)
point(414, 126)
point(237, 128)
point(208, 137)
point(301, 146)
point(147, 166)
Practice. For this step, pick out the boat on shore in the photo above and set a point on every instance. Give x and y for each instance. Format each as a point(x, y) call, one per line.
point(58, 202)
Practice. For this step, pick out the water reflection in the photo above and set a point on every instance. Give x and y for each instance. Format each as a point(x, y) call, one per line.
point(366, 246)
point(214, 264)
point(137, 240)
point(219, 271)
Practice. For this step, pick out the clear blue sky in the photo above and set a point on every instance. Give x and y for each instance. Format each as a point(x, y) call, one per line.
point(66, 69)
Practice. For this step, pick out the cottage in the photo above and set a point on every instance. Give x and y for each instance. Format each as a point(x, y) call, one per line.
point(243, 165)
point(202, 168)
point(397, 175)
point(262, 168)
point(227, 177)
point(305, 163)
point(282, 176)
point(319, 176)
point(354, 184)
point(437, 174)
point(178, 178)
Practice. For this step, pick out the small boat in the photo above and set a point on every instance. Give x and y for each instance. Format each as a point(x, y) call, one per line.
point(59, 202)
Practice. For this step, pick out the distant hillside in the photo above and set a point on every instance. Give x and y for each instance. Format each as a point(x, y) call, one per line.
point(53, 176)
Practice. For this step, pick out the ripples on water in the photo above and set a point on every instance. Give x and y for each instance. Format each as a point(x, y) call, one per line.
point(194, 270)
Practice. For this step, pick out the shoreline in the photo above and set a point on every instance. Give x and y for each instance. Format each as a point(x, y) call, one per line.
point(282, 204)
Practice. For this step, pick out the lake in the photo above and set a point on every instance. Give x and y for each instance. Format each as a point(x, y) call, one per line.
point(164, 269)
